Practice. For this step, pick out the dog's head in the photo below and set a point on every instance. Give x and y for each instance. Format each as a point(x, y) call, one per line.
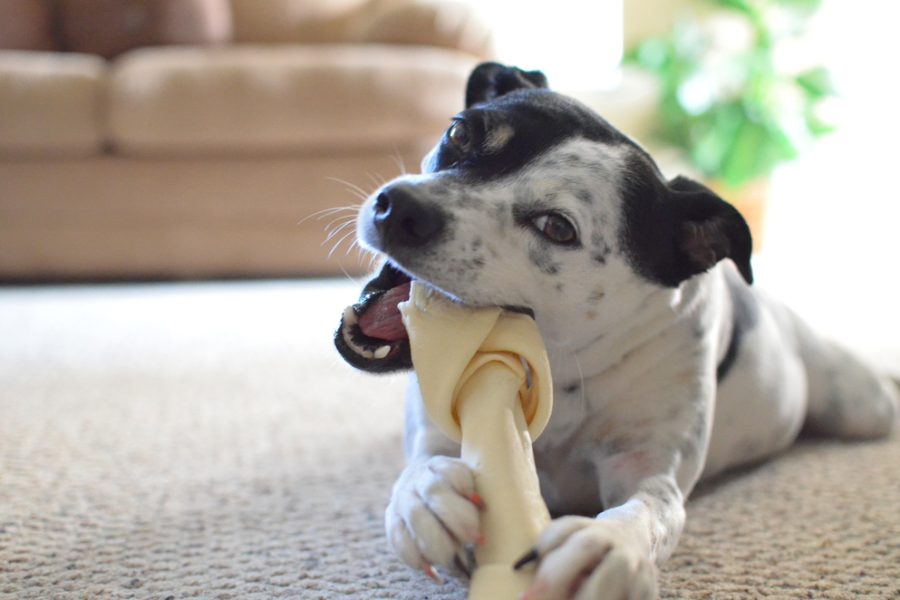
point(533, 202)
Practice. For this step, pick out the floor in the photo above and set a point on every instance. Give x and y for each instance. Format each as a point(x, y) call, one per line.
point(205, 441)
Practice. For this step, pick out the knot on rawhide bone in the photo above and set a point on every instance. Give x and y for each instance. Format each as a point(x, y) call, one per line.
point(450, 343)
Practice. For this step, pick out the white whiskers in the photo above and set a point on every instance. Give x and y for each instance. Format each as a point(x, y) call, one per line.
point(327, 212)
point(337, 226)
point(398, 160)
point(351, 187)
point(343, 238)
point(341, 226)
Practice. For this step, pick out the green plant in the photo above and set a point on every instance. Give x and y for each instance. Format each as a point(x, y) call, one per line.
point(725, 101)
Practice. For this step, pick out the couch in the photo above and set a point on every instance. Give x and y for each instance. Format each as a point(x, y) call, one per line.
point(214, 151)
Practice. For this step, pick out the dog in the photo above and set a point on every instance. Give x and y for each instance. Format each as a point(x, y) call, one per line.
point(668, 366)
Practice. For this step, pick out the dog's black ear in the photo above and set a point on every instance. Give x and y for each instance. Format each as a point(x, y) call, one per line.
point(708, 229)
point(490, 80)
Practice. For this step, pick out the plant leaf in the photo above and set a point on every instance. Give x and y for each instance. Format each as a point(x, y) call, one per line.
point(816, 83)
point(818, 126)
point(747, 156)
point(805, 7)
point(738, 5)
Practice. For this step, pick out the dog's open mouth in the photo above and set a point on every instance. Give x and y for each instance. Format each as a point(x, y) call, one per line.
point(372, 336)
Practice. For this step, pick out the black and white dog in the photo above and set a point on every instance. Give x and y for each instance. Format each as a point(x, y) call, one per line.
point(668, 366)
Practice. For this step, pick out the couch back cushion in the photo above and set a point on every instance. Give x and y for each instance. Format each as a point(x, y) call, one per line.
point(110, 27)
point(26, 25)
point(280, 21)
point(253, 98)
point(48, 104)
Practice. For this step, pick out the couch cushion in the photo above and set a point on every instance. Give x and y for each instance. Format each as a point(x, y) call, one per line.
point(110, 27)
point(247, 99)
point(26, 25)
point(273, 21)
point(441, 23)
point(49, 102)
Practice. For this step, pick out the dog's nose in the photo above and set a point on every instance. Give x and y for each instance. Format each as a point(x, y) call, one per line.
point(404, 221)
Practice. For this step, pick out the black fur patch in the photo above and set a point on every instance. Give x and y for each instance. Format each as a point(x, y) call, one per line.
point(491, 80)
point(744, 318)
point(539, 120)
point(646, 234)
point(677, 230)
point(584, 196)
point(542, 258)
point(601, 249)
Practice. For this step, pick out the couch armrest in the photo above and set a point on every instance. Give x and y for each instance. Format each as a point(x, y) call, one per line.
point(441, 23)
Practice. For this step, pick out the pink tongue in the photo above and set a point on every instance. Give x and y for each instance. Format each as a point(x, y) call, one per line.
point(382, 319)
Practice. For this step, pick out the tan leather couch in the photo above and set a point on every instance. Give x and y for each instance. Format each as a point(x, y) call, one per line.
point(180, 161)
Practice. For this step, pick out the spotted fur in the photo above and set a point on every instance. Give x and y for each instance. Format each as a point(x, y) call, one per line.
point(668, 365)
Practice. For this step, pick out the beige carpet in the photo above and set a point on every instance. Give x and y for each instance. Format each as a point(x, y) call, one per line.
point(203, 441)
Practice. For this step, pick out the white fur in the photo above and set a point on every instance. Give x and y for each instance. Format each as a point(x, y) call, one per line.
point(639, 417)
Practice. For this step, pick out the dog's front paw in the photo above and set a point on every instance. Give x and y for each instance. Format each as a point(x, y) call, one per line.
point(589, 559)
point(433, 514)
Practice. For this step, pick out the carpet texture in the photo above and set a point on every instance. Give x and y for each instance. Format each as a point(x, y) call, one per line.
point(203, 441)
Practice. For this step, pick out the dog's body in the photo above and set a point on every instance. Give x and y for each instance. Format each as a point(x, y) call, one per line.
point(668, 366)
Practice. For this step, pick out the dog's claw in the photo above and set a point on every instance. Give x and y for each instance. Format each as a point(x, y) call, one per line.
point(432, 574)
point(462, 566)
point(529, 557)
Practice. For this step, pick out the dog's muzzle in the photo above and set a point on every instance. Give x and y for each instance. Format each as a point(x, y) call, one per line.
point(372, 336)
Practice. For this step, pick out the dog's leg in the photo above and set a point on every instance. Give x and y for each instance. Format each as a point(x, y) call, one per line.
point(846, 397)
point(646, 471)
point(614, 554)
point(434, 510)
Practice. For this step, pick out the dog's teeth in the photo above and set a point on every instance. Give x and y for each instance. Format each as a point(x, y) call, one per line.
point(363, 351)
point(345, 333)
point(350, 318)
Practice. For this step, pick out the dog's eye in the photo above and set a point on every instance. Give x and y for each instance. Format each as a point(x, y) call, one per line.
point(557, 228)
point(459, 136)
